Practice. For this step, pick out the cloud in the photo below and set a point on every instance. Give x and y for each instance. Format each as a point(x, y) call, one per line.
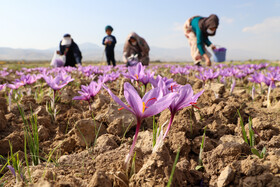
point(227, 20)
point(268, 25)
point(178, 26)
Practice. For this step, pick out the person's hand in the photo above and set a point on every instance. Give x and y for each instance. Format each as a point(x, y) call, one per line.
point(213, 47)
point(109, 42)
point(207, 60)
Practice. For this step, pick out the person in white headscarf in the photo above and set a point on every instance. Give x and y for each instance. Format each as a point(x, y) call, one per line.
point(71, 51)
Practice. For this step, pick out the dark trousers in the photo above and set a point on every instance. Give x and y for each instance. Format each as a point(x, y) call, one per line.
point(110, 55)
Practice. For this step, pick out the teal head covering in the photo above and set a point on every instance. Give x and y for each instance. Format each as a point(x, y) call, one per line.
point(109, 27)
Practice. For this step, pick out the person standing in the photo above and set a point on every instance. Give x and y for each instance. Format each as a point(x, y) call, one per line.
point(70, 49)
point(109, 41)
point(136, 46)
point(197, 29)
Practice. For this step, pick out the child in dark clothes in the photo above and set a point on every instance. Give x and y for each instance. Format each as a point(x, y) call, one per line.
point(109, 41)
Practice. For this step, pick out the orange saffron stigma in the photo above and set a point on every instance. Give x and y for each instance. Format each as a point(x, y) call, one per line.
point(136, 76)
point(193, 104)
point(123, 107)
point(144, 107)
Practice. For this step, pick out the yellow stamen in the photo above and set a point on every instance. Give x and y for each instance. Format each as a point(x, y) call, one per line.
point(144, 107)
point(136, 76)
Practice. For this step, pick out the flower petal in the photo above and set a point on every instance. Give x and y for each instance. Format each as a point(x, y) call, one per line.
point(133, 99)
point(117, 100)
point(160, 105)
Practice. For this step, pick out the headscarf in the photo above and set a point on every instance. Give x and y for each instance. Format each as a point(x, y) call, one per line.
point(209, 22)
point(109, 27)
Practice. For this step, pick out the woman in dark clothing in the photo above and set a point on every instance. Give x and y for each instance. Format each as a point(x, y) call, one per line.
point(71, 50)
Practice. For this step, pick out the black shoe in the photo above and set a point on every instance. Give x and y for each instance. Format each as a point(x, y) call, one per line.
point(198, 64)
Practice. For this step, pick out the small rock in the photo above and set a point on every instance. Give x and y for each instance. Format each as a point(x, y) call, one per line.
point(41, 111)
point(180, 79)
point(197, 85)
point(3, 105)
point(226, 176)
point(43, 133)
point(145, 142)
point(101, 101)
point(232, 138)
point(85, 131)
point(45, 121)
point(116, 127)
point(105, 143)
point(67, 95)
point(239, 91)
point(218, 88)
point(43, 183)
point(3, 121)
point(120, 179)
point(100, 179)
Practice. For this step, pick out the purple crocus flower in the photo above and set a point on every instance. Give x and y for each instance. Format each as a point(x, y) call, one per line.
point(15, 85)
point(232, 85)
point(135, 72)
point(253, 92)
point(58, 82)
point(12, 169)
point(2, 86)
point(88, 92)
point(184, 98)
point(27, 79)
point(151, 104)
point(271, 78)
point(208, 75)
point(257, 78)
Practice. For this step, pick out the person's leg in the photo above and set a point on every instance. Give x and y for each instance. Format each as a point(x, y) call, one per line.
point(108, 58)
point(113, 59)
point(197, 58)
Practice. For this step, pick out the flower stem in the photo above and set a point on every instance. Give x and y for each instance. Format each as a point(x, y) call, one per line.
point(169, 125)
point(134, 141)
point(268, 95)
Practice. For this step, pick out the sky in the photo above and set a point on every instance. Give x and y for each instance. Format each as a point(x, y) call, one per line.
point(249, 25)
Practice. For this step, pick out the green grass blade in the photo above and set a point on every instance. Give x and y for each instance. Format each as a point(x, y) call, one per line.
point(132, 170)
point(255, 152)
point(173, 168)
point(243, 128)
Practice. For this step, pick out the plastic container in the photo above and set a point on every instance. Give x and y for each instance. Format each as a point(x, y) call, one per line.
point(220, 54)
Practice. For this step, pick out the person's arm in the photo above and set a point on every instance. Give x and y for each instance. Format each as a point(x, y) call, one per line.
point(77, 54)
point(207, 41)
point(61, 48)
point(125, 57)
point(114, 40)
point(199, 41)
point(103, 41)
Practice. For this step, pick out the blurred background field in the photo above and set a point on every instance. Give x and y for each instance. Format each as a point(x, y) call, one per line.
point(33, 64)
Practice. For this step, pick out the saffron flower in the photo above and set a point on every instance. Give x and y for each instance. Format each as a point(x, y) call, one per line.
point(183, 98)
point(135, 72)
point(88, 93)
point(151, 104)
point(2, 86)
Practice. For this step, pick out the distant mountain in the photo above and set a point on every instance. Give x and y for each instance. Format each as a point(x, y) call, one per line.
point(93, 52)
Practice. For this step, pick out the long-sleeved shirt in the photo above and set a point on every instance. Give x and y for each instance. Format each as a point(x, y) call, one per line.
point(73, 54)
point(201, 39)
point(109, 47)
